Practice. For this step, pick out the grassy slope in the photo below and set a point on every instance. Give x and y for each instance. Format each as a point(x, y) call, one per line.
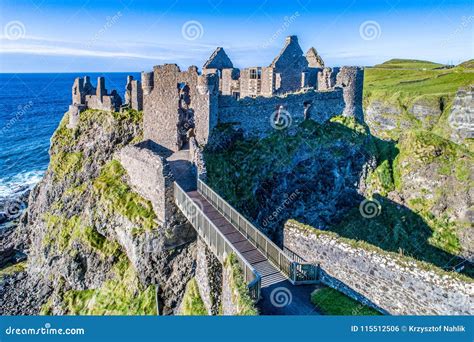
point(333, 302)
point(408, 64)
point(402, 83)
point(193, 304)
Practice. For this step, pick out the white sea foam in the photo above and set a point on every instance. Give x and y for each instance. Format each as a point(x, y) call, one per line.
point(15, 186)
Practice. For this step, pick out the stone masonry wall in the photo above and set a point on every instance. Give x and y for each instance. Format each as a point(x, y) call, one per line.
point(209, 277)
point(397, 284)
point(150, 175)
point(254, 116)
point(162, 105)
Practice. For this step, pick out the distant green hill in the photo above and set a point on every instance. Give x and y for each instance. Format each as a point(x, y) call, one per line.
point(467, 64)
point(408, 64)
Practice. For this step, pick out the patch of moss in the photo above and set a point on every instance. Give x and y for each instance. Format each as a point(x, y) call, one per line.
point(240, 292)
point(62, 232)
point(117, 196)
point(121, 295)
point(12, 269)
point(65, 164)
point(193, 305)
point(333, 302)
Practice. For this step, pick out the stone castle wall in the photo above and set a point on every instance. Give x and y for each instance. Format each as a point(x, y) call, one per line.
point(397, 284)
point(150, 175)
point(254, 116)
point(163, 104)
point(352, 81)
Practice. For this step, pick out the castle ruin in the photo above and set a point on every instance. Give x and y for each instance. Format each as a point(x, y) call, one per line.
point(178, 103)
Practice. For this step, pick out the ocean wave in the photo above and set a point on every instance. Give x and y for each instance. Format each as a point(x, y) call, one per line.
point(16, 186)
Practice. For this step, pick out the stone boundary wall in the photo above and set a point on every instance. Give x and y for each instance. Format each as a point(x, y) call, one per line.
point(399, 285)
point(254, 115)
point(209, 277)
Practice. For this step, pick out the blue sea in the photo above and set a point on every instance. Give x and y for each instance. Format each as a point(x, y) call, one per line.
point(31, 107)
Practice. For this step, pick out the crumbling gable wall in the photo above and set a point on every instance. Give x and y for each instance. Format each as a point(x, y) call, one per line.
point(218, 60)
point(290, 64)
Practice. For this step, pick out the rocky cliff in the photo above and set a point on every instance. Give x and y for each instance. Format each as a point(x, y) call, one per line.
point(94, 245)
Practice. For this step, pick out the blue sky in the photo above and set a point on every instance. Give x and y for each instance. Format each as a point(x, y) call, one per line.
point(134, 35)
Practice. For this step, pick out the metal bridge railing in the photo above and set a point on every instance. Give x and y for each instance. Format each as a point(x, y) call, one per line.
point(215, 240)
point(297, 271)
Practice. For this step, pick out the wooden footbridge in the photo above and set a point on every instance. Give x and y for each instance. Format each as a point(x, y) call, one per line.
point(226, 231)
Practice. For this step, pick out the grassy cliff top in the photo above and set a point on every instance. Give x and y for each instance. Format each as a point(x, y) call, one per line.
point(398, 83)
point(467, 64)
point(398, 63)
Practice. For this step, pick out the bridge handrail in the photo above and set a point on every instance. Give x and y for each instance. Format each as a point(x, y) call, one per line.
point(297, 271)
point(253, 279)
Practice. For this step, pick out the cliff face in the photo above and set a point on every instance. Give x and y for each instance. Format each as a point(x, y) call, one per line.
point(94, 245)
point(412, 197)
point(311, 172)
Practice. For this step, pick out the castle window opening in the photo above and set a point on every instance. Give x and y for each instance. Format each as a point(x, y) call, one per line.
point(255, 74)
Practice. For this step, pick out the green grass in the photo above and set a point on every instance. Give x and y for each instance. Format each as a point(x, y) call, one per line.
point(408, 64)
point(65, 164)
point(240, 292)
point(333, 302)
point(121, 295)
point(62, 232)
point(193, 304)
point(116, 195)
point(403, 83)
point(12, 269)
